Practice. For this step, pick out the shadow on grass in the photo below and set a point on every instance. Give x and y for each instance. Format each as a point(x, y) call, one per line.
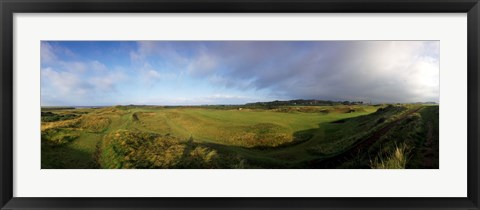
point(279, 157)
point(286, 156)
point(66, 157)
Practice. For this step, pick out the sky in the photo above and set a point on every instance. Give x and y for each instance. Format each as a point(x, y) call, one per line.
point(104, 73)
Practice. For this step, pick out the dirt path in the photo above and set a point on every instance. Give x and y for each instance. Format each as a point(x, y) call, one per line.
point(336, 160)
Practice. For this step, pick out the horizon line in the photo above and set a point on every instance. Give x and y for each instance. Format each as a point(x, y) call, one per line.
point(426, 102)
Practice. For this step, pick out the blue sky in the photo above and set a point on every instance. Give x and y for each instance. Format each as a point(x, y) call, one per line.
point(100, 73)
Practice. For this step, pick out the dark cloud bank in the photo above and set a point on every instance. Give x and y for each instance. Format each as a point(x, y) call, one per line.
point(377, 71)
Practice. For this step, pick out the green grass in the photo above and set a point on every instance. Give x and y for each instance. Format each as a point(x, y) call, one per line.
point(285, 137)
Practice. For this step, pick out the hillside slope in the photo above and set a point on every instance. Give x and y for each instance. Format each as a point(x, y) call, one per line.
point(357, 136)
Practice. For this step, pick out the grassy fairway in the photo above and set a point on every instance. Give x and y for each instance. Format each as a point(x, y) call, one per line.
point(230, 127)
point(206, 137)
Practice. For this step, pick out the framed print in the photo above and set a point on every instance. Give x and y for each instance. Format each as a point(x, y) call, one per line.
point(239, 105)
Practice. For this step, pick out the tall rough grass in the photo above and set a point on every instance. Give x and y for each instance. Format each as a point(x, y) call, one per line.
point(129, 149)
point(397, 159)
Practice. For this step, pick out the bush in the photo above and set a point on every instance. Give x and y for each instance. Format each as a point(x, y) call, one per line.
point(52, 117)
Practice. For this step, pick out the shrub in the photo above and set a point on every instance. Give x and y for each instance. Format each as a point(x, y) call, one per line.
point(52, 117)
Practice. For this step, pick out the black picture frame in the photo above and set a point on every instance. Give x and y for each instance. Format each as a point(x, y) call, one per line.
point(9, 7)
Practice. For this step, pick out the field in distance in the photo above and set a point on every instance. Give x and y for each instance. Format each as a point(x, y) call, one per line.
point(210, 137)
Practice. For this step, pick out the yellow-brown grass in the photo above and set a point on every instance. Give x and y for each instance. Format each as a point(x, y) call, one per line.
point(60, 124)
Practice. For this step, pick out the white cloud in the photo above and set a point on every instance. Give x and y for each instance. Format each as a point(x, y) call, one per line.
point(79, 83)
point(49, 52)
point(157, 75)
point(203, 64)
point(46, 53)
point(62, 83)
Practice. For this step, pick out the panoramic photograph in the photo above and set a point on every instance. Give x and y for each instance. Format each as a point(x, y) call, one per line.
point(240, 104)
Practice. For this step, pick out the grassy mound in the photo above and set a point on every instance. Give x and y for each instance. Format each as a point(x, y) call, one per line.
point(93, 123)
point(59, 136)
point(403, 145)
point(261, 135)
point(127, 149)
point(344, 133)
